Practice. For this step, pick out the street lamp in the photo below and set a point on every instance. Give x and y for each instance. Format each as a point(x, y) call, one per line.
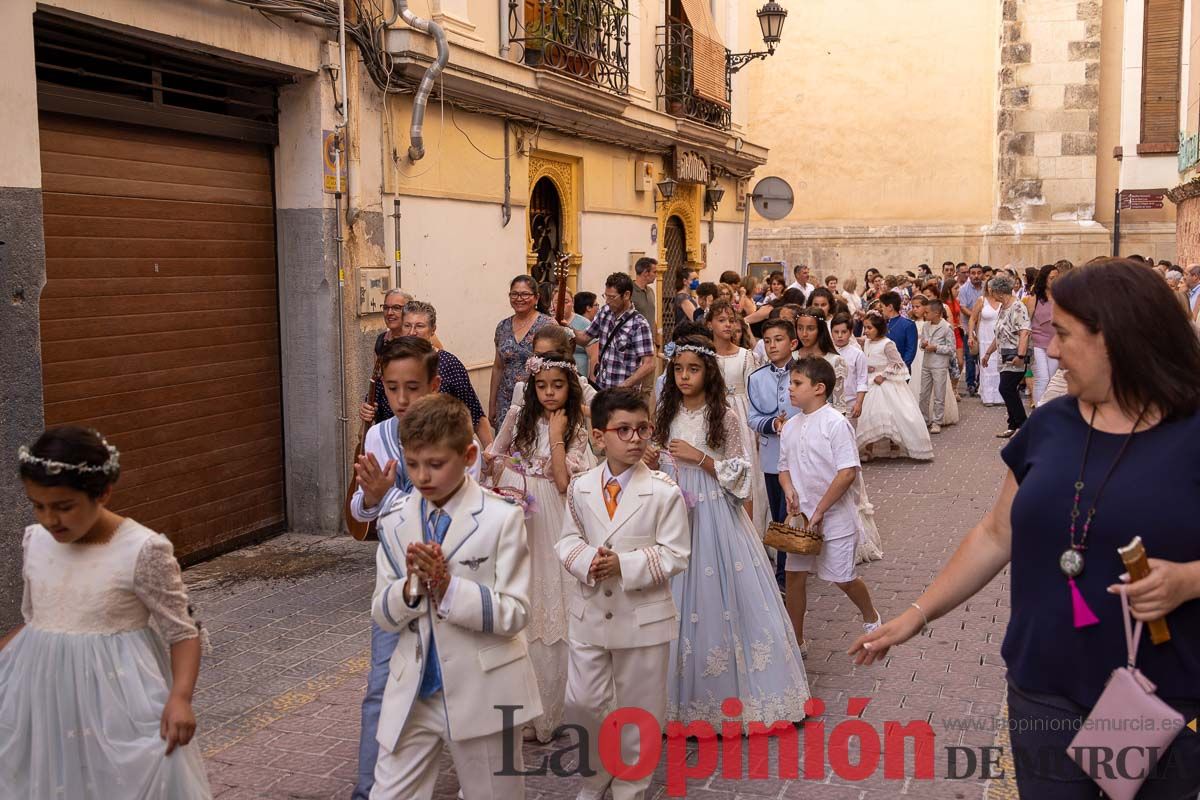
point(770, 19)
point(666, 187)
point(713, 195)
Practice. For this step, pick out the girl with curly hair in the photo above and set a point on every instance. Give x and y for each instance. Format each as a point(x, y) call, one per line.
point(541, 446)
point(734, 636)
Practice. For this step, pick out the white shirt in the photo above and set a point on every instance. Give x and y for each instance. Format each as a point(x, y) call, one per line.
point(807, 288)
point(812, 449)
point(856, 370)
point(622, 479)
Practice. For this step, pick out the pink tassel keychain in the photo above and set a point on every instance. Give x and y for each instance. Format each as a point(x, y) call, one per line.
point(1083, 615)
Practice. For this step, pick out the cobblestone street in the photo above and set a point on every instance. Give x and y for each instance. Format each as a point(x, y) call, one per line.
point(278, 700)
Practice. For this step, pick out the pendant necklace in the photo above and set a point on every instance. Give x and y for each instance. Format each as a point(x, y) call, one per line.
point(1071, 561)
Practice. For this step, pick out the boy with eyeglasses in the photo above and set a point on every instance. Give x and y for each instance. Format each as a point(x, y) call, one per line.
point(625, 535)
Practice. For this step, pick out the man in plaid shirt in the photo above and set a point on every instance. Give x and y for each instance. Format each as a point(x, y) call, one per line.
point(627, 358)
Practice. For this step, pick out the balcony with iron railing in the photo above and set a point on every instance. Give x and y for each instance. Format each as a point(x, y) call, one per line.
point(587, 40)
point(676, 78)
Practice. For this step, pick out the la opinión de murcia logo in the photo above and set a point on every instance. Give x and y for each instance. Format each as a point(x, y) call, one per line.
point(804, 749)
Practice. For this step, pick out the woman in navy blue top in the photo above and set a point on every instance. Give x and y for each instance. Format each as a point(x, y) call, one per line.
point(1129, 432)
point(420, 319)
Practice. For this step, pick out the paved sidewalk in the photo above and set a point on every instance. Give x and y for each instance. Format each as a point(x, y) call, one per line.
point(278, 700)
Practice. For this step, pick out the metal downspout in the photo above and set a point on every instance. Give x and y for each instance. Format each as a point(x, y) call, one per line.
point(416, 148)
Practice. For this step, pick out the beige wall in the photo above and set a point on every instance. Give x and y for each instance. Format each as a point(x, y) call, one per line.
point(21, 166)
point(877, 111)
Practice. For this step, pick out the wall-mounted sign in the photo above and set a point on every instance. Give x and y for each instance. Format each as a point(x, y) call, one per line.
point(690, 166)
point(334, 182)
point(1142, 199)
point(1189, 150)
point(654, 233)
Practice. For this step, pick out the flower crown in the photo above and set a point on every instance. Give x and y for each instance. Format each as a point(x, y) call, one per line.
point(672, 349)
point(535, 364)
point(52, 467)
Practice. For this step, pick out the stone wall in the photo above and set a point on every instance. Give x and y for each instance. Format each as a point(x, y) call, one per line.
point(1049, 111)
point(1186, 197)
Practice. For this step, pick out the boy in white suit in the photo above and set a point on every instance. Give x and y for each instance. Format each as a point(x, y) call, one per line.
point(408, 367)
point(625, 535)
point(453, 577)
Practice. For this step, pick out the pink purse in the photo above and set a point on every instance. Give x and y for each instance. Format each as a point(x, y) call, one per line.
point(1129, 727)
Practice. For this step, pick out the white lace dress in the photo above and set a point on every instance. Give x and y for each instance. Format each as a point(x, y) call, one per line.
point(735, 639)
point(547, 629)
point(83, 684)
point(891, 425)
point(736, 369)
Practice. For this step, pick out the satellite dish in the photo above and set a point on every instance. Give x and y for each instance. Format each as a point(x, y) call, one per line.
point(773, 198)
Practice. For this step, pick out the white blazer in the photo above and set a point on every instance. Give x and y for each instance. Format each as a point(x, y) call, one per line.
point(480, 645)
point(651, 535)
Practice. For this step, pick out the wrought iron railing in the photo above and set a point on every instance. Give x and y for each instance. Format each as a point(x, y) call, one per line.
point(675, 79)
point(584, 39)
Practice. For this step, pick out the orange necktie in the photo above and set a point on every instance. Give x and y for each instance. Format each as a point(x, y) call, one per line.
point(611, 490)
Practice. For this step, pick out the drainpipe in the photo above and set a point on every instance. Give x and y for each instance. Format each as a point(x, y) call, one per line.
point(504, 40)
point(416, 148)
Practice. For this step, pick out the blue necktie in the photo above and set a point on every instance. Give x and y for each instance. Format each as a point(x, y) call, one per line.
point(431, 678)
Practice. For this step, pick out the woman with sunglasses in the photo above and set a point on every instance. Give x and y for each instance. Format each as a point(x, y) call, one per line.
point(514, 344)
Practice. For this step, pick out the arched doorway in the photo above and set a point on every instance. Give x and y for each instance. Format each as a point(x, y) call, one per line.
point(675, 246)
point(545, 235)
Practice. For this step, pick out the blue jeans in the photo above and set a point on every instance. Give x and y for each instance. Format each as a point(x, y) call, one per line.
point(383, 644)
point(777, 502)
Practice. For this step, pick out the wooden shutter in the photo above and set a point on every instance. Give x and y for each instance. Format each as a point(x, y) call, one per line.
point(160, 321)
point(708, 52)
point(1161, 48)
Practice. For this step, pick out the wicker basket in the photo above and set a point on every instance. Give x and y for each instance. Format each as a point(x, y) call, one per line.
point(794, 535)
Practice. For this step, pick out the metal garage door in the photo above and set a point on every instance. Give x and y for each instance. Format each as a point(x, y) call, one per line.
point(160, 321)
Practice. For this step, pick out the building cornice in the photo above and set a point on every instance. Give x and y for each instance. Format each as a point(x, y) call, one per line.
point(487, 84)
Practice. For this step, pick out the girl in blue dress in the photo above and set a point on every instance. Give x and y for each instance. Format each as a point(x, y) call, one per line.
point(91, 705)
point(735, 640)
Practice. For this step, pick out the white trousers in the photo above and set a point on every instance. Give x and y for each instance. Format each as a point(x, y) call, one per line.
point(1043, 368)
point(411, 771)
point(633, 677)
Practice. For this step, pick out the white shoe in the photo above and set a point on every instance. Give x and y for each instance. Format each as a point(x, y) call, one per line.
point(935, 428)
point(871, 626)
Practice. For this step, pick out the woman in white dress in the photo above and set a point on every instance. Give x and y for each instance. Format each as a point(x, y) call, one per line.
point(541, 446)
point(983, 320)
point(891, 425)
point(736, 365)
point(96, 685)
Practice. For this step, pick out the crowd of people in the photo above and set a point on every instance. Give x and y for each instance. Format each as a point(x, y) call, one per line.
point(594, 539)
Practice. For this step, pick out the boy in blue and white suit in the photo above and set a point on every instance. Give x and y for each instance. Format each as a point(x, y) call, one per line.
point(770, 408)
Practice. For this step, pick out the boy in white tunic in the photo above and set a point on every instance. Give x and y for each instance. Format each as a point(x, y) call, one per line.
point(452, 580)
point(625, 535)
point(818, 467)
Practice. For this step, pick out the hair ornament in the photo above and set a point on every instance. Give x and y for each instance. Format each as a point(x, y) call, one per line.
point(57, 467)
point(672, 349)
point(535, 364)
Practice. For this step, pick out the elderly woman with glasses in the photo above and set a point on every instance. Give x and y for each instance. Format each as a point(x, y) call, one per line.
point(420, 319)
point(1011, 345)
point(514, 343)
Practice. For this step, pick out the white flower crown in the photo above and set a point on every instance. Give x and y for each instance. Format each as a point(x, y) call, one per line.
point(535, 364)
point(672, 349)
point(56, 467)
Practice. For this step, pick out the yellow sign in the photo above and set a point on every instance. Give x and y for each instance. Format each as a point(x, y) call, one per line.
point(335, 178)
point(1192, 725)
